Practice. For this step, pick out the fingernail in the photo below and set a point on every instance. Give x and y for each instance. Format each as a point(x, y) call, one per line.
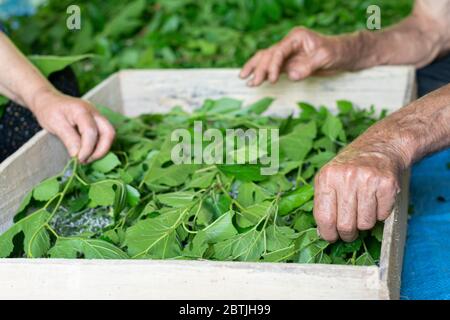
point(250, 83)
point(73, 151)
point(82, 160)
point(294, 75)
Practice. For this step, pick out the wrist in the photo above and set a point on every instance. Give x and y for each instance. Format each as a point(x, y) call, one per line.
point(358, 50)
point(392, 152)
point(36, 100)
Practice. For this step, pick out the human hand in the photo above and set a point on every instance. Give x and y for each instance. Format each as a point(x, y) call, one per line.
point(85, 133)
point(300, 54)
point(354, 190)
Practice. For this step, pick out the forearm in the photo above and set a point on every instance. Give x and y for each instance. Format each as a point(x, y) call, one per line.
point(406, 136)
point(417, 40)
point(19, 79)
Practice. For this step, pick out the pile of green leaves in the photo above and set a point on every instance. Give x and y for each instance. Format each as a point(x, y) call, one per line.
point(136, 203)
point(182, 33)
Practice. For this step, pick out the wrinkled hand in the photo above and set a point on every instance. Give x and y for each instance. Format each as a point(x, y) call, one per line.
point(300, 54)
point(85, 133)
point(353, 191)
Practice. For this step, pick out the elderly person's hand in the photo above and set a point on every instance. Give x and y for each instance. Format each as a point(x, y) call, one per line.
point(359, 186)
point(355, 190)
point(300, 54)
point(85, 133)
point(416, 40)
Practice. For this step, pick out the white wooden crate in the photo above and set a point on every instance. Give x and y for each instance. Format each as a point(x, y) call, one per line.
point(144, 91)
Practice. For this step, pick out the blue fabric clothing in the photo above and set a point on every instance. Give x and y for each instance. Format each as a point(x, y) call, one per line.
point(426, 265)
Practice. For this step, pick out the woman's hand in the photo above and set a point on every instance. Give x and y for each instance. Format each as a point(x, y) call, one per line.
point(85, 133)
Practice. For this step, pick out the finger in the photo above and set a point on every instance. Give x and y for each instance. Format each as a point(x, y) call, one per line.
point(386, 193)
point(260, 72)
point(299, 68)
point(346, 215)
point(106, 137)
point(250, 66)
point(367, 210)
point(275, 66)
point(325, 213)
point(70, 137)
point(89, 134)
point(280, 53)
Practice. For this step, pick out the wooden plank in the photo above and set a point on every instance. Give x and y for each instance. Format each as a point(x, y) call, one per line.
point(157, 91)
point(394, 233)
point(41, 157)
point(136, 92)
point(108, 93)
point(153, 279)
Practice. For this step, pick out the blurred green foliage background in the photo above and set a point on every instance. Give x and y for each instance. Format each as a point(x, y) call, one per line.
point(182, 33)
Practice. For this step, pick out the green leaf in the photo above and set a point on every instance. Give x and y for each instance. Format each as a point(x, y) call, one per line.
point(250, 193)
point(36, 241)
point(365, 260)
point(254, 213)
point(322, 158)
point(308, 111)
point(176, 199)
point(259, 106)
point(377, 231)
point(221, 229)
point(304, 221)
point(344, 106)
point(279, 237)
point(126, 21)
point(155, 236)
point(102, 194)
point(280, 255)
point(297, 144)
point(133, 196)
point(373, 247)
point(25, 202)
point(203, 180)
point(248, 246)
point(222, 106)
point(341, 248)
point(245, 173)
point(46, 190)
point(115, 118)
point(295, 199)
point(107, 163)
point(69, 248)
point(198, 246)
point(311, 247)
point(172, 176)
point(306, 130)
point(332, 127)
point(49, 64)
